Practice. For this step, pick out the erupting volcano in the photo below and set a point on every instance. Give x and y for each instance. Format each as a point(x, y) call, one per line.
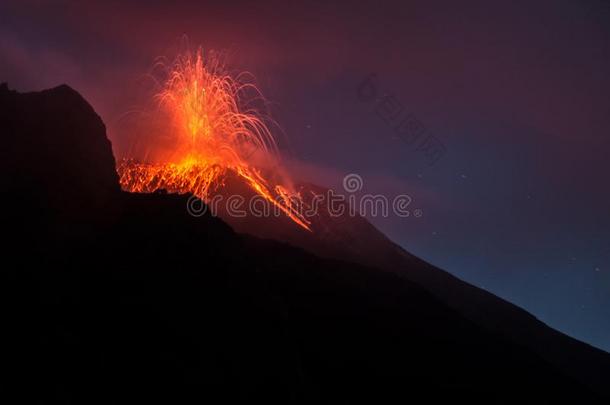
point(215, 130)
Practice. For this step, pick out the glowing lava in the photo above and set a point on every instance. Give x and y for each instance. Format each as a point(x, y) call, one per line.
point(213, 131)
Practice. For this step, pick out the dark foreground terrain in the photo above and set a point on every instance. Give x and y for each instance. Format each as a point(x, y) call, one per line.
point(110, 297)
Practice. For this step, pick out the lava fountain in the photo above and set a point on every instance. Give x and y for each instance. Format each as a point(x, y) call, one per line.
point(215, 130)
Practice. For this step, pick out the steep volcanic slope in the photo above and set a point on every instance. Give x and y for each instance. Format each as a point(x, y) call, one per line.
point(355, 239)
point(343, 237)
point(129, 299)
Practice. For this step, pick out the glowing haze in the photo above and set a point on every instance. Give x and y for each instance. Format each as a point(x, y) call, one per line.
point(215, 129)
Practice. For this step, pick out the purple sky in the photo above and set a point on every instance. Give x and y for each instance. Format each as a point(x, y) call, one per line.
point(517, 93)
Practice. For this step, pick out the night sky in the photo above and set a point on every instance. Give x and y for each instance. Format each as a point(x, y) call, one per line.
point(517, 93)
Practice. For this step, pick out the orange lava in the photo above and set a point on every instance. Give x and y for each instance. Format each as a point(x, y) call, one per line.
point(213, 131)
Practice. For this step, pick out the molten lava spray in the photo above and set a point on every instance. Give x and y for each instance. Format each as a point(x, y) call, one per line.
point(213, 132)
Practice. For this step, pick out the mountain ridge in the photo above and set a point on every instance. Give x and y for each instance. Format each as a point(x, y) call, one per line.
point(119, 297)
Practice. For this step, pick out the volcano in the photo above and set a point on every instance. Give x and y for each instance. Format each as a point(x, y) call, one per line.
point(215, 131)
point(118, 297)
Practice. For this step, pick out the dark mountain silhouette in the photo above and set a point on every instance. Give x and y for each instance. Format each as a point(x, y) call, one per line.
point(355, 239)
point(111, 297)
